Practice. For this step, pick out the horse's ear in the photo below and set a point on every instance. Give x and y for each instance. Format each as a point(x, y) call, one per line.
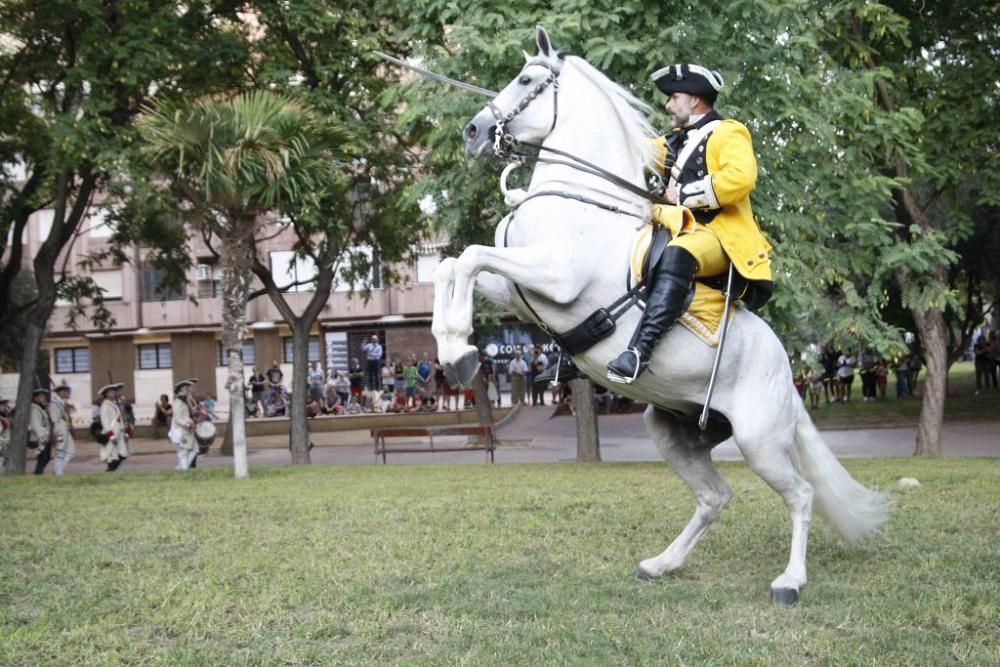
point(527, 56)
point(542, 39)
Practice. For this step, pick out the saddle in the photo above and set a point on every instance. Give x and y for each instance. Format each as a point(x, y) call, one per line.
point(704, 314)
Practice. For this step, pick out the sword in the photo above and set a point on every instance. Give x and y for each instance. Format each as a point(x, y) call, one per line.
point(723, 327)
point(437, 77)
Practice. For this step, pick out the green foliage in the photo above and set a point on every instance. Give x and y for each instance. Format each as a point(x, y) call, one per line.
point(805, 78)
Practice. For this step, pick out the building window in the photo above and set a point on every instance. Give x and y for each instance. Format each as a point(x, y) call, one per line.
point(359, 269)
point(154, 355)
point(287, 269)
point(288, 350)
point(249, 353)
point(153, 288)
point(110, 283)
point(72, 360)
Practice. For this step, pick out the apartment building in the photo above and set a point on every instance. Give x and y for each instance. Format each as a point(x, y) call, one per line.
point(161, 336)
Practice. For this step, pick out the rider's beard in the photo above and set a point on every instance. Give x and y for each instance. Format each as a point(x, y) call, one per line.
point(682, 115)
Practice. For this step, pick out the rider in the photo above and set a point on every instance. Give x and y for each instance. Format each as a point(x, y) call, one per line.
point(711, 170)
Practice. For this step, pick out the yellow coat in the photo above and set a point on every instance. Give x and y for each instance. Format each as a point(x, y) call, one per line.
point(732, 169)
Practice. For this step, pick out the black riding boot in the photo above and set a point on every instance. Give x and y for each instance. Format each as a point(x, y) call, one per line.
point(668, 298)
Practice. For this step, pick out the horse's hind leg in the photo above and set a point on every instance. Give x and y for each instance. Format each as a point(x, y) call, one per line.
point(768, 455)
point(688, 452)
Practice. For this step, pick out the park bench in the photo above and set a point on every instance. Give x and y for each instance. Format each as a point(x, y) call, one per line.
point(486, 435)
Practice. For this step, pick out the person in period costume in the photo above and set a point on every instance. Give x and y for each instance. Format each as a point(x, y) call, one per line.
point(116, 450)
point(710, 170)
point(62, 427)
point(183, 423)
point(40, 429)
point(6, 427)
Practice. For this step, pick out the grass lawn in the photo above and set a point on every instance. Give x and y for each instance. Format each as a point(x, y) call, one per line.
point(962, 404)
point(483, 565)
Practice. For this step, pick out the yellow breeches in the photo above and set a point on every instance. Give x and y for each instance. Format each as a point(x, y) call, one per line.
point(704, 245)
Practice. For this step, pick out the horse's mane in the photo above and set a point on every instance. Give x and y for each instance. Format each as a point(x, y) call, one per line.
point(630, 110)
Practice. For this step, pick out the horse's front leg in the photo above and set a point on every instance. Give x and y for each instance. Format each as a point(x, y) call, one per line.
point(535, 268)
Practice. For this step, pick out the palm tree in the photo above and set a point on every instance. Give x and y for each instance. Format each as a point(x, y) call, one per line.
point(235, 161)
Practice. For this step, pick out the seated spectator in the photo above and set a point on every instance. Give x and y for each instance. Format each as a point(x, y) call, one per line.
point(277, 406)
point(162, 415)
point(429, 404)
point(208, 407)
point(312, 407)
point(332, 404)
point(398, 402)
point(341, 385)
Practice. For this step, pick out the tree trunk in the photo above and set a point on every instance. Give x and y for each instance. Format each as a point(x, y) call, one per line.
point(298, 435)
point(934, 341)
point(588, 442)
point(17, 454)
point(237, 256)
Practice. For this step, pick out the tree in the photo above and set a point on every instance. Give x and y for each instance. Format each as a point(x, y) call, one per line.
point(73, 75)
point(236, 162)
point(321, 55)
point(865, 119)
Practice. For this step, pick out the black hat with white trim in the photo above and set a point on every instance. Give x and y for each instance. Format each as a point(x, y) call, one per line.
point(63, 387)
point(184, 383)
point(38, 391)
point(690, 79)
point(108, 387)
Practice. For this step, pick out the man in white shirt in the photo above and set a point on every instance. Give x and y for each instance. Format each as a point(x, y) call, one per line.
point(373, 362)
point(518, 369)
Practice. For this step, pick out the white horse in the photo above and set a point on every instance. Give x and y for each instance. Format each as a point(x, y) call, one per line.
point(569, 257)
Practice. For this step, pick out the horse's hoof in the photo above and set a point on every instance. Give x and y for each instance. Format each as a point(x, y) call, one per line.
point(463, 370)
point(642, 575)
point(785, 597)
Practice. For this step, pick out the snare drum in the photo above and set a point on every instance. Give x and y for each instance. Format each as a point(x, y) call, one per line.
point(204, 433)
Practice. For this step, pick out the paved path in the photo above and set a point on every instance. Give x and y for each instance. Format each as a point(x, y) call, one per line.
point(534, 436)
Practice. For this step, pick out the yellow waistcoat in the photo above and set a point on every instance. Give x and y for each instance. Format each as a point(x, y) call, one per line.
point(732, 166)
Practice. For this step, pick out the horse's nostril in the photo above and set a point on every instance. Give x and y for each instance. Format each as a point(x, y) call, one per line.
point(471, 131)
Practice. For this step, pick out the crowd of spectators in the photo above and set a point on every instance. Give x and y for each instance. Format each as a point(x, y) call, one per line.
point(830, 374)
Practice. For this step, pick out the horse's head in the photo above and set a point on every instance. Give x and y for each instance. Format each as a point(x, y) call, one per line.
point(526, 108)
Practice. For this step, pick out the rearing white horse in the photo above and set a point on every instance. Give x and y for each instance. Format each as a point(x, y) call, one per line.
point(567, 246)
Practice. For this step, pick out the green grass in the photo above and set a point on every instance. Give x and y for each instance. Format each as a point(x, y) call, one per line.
point(962, 404)
point(483, 565)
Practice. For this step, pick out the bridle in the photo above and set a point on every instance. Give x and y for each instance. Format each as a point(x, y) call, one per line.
point(505, 145)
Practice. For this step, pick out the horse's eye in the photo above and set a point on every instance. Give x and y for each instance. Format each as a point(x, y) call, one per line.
point(524, 80)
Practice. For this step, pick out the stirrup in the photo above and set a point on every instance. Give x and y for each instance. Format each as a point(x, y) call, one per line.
point(622, 379)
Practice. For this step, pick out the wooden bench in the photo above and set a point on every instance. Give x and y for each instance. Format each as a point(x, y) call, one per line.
point(486, 433)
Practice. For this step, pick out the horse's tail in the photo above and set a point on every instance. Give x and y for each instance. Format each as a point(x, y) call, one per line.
point(853, 510)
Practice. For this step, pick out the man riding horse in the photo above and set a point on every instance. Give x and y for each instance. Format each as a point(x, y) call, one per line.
point(709, 167)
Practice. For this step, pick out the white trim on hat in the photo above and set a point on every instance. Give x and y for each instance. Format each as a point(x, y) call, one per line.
point(678, 74)
point(114, 385)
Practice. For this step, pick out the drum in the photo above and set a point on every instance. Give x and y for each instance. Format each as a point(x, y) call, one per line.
point(204, 433)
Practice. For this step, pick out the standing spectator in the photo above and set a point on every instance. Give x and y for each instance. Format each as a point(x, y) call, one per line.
point(816, 379)
point(60, 412)
point(356, 377)
point(901, 367)
point(866, 367)
point(342, 386)
point(373, 361)
point(881, 377)
point(425, 371)
point(540, 363)
point(316, 380)
point(518, 369)
point(828, 359)
point(995, 356)
point(489, 371)
point(40, 429)
point(113, 423)
point(984, 363)
point(410, 378)
point(398, 384)
point(845, 375)
point(162, 414)
point(258, 384)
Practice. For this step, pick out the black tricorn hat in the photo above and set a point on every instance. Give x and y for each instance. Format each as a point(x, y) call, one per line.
point(690, 79)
